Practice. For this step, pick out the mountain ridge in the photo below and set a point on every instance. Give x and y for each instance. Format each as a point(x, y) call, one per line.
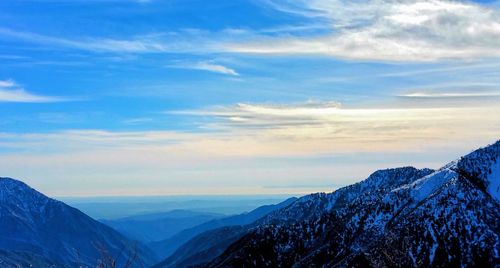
point(309, 206)
point(448, 217)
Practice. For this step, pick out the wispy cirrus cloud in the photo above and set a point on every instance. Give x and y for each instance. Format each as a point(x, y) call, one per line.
point(328, 126)
point(147, 43)
point(380, 30)
point(186, 40)
point(389, 30)
point(450, 94)
point(256, 130)
point(208, 66)
point(12, 92)
point(181, 41)
point(216, 68)
point(469, 91)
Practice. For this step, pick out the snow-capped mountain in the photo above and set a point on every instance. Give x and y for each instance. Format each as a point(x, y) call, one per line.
point(39, 231)
point(400, 217)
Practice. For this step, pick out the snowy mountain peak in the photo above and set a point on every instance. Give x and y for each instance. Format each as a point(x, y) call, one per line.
point(393, 177)
point(9, 185)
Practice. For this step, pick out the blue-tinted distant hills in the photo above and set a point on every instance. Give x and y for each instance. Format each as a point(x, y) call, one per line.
point(159, 226)
point(168, 246)
point(37, 231)
point(172, 214)
point(111, 208)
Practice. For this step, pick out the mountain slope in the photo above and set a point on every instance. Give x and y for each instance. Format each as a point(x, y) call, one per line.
point(315, 205)
point(204, 247)
point(35, 229)
point(450, 217)
point(159, 226)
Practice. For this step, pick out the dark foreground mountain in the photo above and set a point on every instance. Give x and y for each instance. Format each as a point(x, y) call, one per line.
point(396, 218)
point(37, 231)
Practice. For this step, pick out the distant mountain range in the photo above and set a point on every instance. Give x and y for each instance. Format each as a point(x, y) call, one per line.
point(112, 208)
point(401, 217)
point(37, 231)
point(206, 241)
point(159, 226)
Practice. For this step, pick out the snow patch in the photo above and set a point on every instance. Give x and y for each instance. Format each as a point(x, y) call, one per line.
point(425, 186)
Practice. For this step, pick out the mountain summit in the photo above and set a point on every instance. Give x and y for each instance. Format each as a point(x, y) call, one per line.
point(39, 231)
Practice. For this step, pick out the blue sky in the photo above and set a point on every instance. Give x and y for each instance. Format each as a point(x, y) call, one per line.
point(118, 97)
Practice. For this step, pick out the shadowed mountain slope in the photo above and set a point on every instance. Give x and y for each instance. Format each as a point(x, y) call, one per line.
point(37, 230)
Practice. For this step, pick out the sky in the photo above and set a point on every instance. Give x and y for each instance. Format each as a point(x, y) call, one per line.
point(152, 97)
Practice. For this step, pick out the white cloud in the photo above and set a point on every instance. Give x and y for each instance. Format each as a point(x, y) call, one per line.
point(136, 121)
point(6, 83)
point(471, 92)
point(11, 92)
point(206, 66)
point(390, 30)
point(450, 94)
point(20, 95)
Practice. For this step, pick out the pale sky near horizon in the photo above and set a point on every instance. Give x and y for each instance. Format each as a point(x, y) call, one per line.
point(152, 97)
